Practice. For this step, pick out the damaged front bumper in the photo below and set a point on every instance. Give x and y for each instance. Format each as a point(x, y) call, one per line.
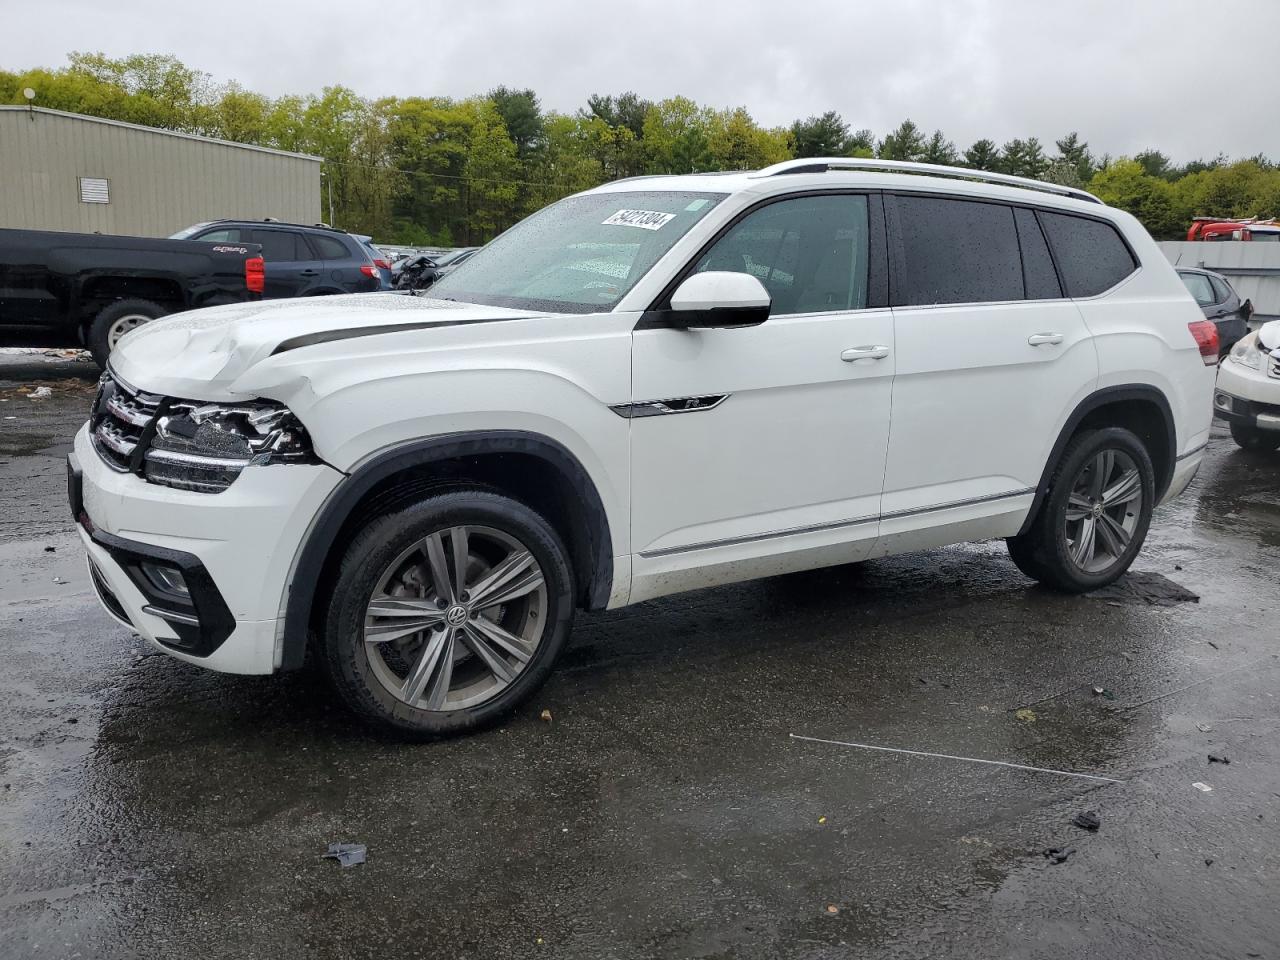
point(202, 577)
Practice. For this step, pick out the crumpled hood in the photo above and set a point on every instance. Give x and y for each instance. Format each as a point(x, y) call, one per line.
point(199, 354)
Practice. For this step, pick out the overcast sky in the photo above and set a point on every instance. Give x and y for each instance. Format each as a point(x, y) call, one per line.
point(1175, 74)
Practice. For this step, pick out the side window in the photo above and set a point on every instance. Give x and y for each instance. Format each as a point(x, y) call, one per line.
point(1090, 254)
point(329, 248)
point(957, 251)
point(225, 235)
point(1221, 292)
point(277, 245)
point(1037, 266)
point(811, 253)
point(1200, 288)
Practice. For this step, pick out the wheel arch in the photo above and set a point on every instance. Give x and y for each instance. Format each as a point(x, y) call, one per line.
point(1139, 407)
point(529, 467)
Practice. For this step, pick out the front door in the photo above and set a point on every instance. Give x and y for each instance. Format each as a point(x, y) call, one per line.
point(761, 450)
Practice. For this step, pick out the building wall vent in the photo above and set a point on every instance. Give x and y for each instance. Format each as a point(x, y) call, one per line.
point(95, 190)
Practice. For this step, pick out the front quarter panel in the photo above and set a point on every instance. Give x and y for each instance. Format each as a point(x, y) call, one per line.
point(552, 376)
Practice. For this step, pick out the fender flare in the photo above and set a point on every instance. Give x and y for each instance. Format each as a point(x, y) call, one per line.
point(1100, 398)
point(338, 507)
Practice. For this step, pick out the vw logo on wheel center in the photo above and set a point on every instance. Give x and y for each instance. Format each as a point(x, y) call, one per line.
point(456, 616)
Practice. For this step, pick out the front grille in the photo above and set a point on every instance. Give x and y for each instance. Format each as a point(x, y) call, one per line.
point(123, 423)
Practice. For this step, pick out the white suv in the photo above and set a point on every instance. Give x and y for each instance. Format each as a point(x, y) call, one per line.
point(661, 384)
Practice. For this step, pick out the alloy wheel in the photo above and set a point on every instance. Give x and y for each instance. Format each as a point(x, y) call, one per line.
point(455, 618)
point(1103, 511)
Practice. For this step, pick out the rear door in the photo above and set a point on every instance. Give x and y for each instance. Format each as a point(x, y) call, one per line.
point(291, 267)
point(991, 357)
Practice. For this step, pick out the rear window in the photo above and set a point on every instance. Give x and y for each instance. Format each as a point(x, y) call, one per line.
point(1221, 291)
point(1199, 287)
point(1091, 255)
point(957, 251)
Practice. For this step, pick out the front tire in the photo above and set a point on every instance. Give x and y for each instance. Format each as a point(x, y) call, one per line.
point(115, 320)
point(448, 614)
point(1095, 517)
point(1253, 439)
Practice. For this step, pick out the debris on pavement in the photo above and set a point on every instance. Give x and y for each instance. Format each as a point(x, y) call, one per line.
point(1203, 787)
point(1153, 589)
point(1087, 820)
point(832, 908)
point(546, 715)
point(1203, 727)
point(1026, 715)
point(40, 393)
point(1058, 854)
point(347, 854)
point(1217, 759)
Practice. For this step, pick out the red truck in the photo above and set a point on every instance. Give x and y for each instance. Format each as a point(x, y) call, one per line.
point(1216, 228)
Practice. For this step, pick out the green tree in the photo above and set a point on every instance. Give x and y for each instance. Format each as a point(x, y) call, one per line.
point(1125, 184)
point(939, 150)
point(1023, 158)
point(675, 136)
point(983, 155)
point(735, 142)
point(522, 116)
point(905, 143)
point(1155, 163)
point(824, 136)
point(1074, 155)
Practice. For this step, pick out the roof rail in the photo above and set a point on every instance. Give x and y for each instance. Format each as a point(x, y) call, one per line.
point(823, 164)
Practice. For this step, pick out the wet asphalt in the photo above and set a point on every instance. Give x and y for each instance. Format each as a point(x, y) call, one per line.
point(152, 809)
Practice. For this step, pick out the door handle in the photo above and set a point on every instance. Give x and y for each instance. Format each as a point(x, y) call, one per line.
point(864, 353)
point(1038, 339)
point(309, 273)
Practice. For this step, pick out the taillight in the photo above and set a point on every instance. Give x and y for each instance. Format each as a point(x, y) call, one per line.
point(382, 264)
point(255, 274)
point(368, 269)
point(1206, 337)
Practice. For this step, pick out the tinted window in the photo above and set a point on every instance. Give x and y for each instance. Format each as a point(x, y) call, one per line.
point(810, 253)
point(1221, 292)
point(1037, 266)
point(278, 245)
point(330, 248)
point(957, 251)
point(1091, 256)
point(1200, 288)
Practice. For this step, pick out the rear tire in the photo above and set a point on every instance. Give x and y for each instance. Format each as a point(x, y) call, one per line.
point(115, 320)
point(1253, 439)
point(470, 662)
point(1095, 517)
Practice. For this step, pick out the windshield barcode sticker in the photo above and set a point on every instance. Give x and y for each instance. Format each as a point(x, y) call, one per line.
point(644, 219)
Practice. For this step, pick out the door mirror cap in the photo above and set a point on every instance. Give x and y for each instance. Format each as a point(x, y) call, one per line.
point(718, 299)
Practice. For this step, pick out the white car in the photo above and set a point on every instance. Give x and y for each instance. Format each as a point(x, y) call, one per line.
point(661, 384)
point(1248, 394)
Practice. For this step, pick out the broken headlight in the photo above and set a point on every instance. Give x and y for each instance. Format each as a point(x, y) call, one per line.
point(205, 446)
point(1247, 353)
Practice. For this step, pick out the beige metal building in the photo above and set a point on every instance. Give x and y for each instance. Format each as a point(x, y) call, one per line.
point(64, 171)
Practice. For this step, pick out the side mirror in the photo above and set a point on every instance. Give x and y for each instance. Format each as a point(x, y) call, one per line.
point(718, 299)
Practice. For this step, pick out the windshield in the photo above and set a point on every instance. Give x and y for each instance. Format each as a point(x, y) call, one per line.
point(189, 232)
point(580, 255)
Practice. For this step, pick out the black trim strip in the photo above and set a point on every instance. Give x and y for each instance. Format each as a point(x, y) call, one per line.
point(833, 525)
point(351, 333)
point(658, 408)
point(1192, 453)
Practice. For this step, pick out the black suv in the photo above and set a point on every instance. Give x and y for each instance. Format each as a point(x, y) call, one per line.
point(301, 261)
